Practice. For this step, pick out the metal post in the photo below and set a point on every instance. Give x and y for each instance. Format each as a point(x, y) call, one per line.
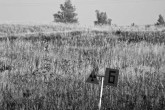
point(101, 93)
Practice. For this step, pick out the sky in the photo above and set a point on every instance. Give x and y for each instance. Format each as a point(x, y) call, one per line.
point(122, 12)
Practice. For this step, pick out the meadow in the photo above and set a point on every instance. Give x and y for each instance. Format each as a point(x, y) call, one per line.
point(44, 67)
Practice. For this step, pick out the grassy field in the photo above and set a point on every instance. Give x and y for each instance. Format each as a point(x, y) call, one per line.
point(44, 67)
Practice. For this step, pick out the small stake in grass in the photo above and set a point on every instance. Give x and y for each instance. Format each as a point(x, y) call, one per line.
point(110, 78)
point(101, 93)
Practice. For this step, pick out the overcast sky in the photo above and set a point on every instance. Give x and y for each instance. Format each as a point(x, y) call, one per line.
point(122, 12)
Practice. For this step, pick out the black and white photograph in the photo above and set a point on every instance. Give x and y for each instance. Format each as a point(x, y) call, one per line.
point(82, 54)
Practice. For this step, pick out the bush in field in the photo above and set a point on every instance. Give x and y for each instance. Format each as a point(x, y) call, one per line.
point(133, 24)
point(102, 18)
point(67, 13)
point(160, 20)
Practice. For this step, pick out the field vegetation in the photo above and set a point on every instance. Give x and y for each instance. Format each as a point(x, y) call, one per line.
point(44, 67)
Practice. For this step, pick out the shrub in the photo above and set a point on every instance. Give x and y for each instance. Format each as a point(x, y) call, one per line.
point(67, 13)
point(160, 20)
point(102, 18)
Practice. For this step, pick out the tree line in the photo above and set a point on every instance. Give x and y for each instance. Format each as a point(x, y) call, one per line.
point(68, 15)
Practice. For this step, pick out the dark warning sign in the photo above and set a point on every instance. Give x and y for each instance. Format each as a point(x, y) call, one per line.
point(111, 77)
point(92, 78)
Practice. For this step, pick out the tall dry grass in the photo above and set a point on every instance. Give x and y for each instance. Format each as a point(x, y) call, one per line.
point(40, 75)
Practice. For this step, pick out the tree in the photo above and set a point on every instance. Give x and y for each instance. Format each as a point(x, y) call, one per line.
point(67, 13)
point(133, 24)
point(160, 20)
point(102, 18)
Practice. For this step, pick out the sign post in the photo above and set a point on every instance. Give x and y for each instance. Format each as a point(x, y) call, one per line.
point(101, 92)
point(110, 78)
